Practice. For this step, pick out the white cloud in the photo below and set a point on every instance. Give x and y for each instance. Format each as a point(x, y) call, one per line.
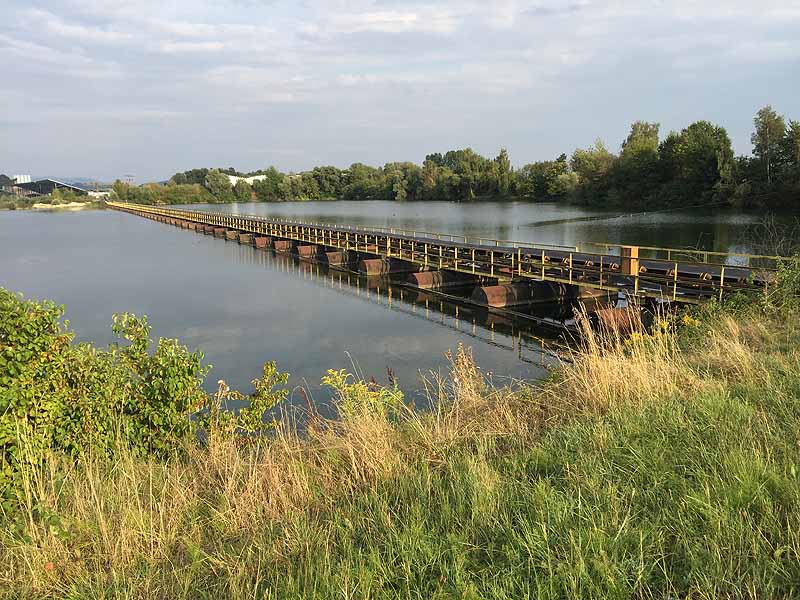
point(462, 68)
point(427, 20)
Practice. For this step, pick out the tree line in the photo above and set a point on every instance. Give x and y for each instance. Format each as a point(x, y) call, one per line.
point(693, 166)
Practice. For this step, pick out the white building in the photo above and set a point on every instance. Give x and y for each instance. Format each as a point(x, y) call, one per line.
point(21, 178)
point(234, 179)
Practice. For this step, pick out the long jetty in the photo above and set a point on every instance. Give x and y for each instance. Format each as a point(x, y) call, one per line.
point(501, 273)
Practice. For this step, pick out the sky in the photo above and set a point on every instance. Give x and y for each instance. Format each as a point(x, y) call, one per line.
point(107, 89)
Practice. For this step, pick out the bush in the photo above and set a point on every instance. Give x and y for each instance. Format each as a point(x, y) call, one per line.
point(57, 396)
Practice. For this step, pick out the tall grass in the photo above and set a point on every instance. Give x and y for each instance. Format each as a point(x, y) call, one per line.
point(649, 467)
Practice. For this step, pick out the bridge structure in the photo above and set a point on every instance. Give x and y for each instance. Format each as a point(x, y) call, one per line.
point(501, 273)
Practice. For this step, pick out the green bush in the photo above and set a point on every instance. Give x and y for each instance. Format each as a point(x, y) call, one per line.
point(58, 396)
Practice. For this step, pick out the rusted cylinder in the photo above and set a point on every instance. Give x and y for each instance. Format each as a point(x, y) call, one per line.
point(309, 252)
point(219, 232)
point(441, 280)
point(499, 296)
point(245, 238)
point(338, 259)
point(285, 245)
point(690, 275)
point(209, 230)
point(261, 242)
point(385, 266)
point(522, 293)
point(193, 226)
point(231, 235)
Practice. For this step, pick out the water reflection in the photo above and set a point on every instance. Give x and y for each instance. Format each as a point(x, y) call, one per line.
point(529, 341)
point(242, 306)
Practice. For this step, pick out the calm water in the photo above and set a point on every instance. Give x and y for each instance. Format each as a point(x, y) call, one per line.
point(243, 307)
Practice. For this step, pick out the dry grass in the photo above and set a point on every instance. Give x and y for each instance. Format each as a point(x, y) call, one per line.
point(93, 524)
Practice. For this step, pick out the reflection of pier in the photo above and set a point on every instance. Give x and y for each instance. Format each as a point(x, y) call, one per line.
point(493, 329)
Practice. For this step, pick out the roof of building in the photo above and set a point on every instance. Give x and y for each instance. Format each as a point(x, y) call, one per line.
point(46, 186)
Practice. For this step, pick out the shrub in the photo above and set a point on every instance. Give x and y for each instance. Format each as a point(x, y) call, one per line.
point(62, 397)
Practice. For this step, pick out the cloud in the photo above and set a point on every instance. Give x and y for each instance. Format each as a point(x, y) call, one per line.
point(375, 80)
point(56, 26)
point(427, 20)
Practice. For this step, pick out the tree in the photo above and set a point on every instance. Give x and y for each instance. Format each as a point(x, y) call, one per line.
point(191, 176)
point(766, 139)
point(790, 144)
point(696, 162)
point(503, 172)
point(593, 162)
point(243, 191)
point(643, 139)
point(545, 180)
point(329, 181)
point(219, 185)
point(360, 182)
point(269, 188)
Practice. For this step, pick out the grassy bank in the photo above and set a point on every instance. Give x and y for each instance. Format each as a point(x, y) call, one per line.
point(650, 467)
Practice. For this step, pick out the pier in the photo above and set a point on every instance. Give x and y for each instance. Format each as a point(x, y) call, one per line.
point(500, 273)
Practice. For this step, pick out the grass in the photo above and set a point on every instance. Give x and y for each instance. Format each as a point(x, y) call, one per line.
point(658, 467)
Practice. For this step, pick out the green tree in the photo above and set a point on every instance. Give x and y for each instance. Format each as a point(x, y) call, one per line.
point(769, 131)
point(696, 163)
point(269, 188)
point(592, 166)
point(219, 185)
point(790, 144)
point(191, 176)
point(503, 172)
point(243, 191)
point(643, 139)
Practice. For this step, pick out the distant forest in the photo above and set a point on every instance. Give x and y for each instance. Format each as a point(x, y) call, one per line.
point(695, 166)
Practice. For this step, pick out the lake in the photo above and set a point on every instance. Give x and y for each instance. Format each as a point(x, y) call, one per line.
point(242, 307)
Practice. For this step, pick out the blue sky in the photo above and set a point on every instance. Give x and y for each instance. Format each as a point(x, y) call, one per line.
point(105, 88)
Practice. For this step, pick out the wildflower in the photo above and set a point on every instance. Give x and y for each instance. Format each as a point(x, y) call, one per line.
point(634, 339)
point(689, 321)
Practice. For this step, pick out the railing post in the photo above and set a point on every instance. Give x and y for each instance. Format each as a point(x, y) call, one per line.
point(542, 265)
point(675, 282)
point(630, 260)
point(601, 271)
point(570, 267)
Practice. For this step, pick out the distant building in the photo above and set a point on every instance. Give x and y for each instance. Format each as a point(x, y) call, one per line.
point(43, 187)
point(234, 179)
point(21, 179)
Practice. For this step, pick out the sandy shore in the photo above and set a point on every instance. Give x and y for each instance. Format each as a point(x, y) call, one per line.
point(67, 206)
